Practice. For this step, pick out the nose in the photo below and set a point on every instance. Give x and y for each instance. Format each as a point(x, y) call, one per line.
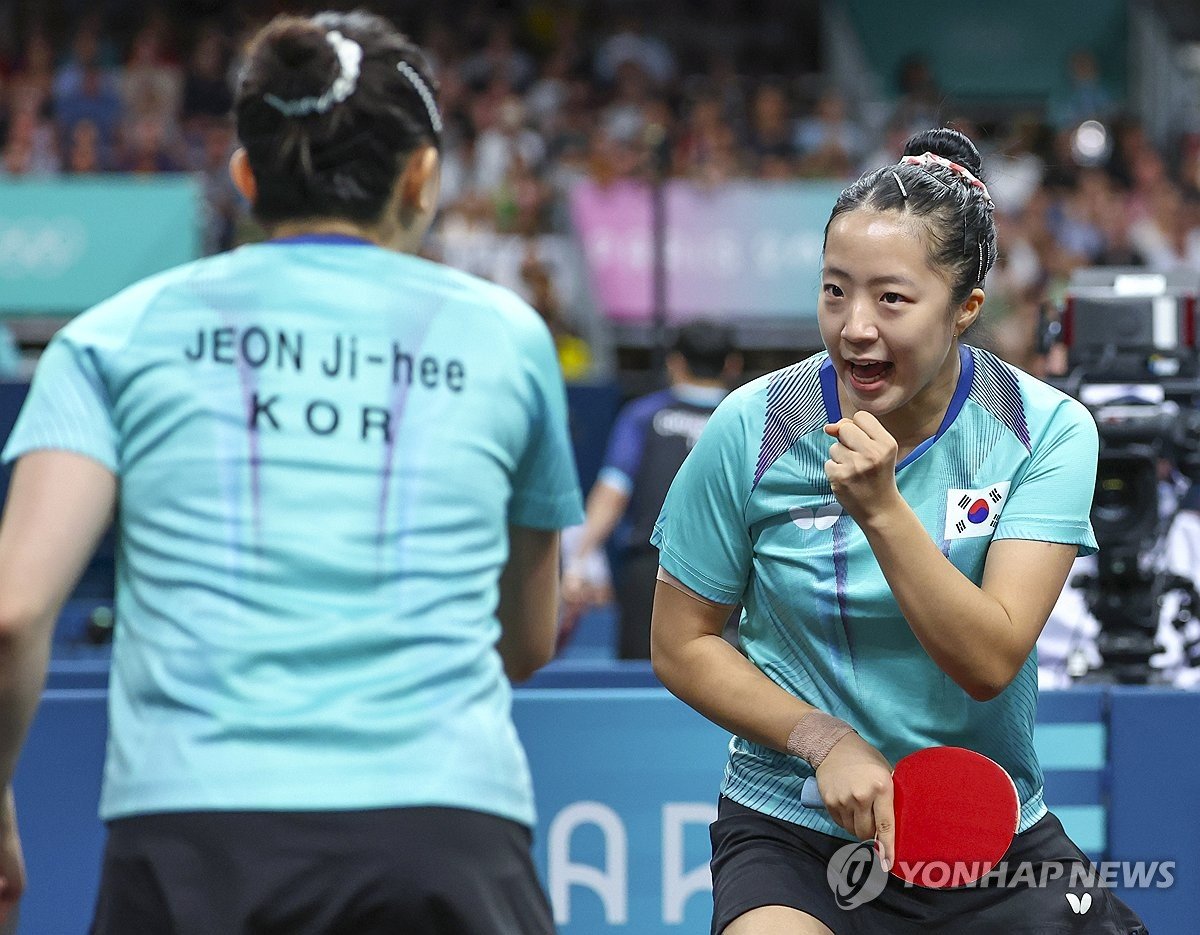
point(859, 325)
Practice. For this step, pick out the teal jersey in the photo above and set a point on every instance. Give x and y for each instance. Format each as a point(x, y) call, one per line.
point(320, 445)
point(751, 517)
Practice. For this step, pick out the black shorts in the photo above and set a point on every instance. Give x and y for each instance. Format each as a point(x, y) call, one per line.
point(763, 861)
point(416, 871)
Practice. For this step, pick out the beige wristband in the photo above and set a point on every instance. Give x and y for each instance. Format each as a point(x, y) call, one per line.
point(814, 736)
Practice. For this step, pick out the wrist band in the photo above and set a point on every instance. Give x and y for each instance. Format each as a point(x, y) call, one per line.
point(814, 736)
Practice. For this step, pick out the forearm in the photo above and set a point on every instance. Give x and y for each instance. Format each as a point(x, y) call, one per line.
point(966, 632)
point(711, 676)
point(606, 505)
point(24, 657)
point(528, 608)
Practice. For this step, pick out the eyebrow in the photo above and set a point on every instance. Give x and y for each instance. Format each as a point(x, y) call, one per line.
point(890, 279)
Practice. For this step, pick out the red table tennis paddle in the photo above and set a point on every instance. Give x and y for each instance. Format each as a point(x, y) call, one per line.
point(956, 814)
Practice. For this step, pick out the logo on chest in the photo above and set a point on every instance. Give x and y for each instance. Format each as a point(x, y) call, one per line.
point(971, 514)
point(822, 517)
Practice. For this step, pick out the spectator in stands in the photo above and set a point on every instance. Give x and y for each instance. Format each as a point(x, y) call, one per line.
point(630, 41)
point(829, 142)
point(84, 150)
point(504, 137)
point(649, 441)
point(921, 100)
point(500, 60)
point(32, 145)
point(146, 149)
point(85, 89)
point(222, 202)
point(1085, 97)
point(206, 91)
point(32, 82)
point(152, 82)
point(707, 149)
point(771, 137)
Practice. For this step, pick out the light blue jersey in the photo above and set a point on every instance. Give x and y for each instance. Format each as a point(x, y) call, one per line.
point(751, 518)
point(320, 444)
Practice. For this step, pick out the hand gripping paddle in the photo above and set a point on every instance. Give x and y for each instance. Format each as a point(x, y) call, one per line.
point(956, 814)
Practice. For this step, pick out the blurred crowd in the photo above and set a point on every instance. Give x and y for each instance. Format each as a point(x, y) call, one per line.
point(536, 99)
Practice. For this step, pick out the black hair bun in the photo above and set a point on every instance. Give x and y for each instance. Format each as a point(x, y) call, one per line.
point(950, 144)
point(302, 46)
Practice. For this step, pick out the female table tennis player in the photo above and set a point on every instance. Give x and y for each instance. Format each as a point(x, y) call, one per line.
point(897, 515)
point(341, 470)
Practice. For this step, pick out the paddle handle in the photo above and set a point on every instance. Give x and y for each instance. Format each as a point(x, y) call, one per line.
point(810, 795)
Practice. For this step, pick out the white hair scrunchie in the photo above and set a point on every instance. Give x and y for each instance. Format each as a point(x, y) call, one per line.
point(349, 55)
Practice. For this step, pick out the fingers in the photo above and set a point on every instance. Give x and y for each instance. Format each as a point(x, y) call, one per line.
point(864, 824)
point(885, 826)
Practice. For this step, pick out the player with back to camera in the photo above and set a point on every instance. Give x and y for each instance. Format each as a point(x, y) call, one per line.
point(338, 472)
point(897, 515)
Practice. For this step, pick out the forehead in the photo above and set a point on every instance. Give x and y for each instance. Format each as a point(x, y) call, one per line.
point(873, 243)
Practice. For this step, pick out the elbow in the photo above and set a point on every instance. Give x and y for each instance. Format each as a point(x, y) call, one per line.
point(664, 661)
point(982, 690)
point(525, 667)
point(16, 624)
point(986, 685)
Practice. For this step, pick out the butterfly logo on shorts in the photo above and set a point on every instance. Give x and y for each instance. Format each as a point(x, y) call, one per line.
point(822, 518)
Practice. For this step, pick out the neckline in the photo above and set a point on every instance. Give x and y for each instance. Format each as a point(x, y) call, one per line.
point(966, 376)
point(348, 240)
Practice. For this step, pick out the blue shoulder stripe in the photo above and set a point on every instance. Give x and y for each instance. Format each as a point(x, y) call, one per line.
point(996, 389)
point(794, 408)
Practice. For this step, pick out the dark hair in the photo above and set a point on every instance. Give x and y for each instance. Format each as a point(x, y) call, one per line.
point(956, 213)
point(315, 150)
point(705, 346)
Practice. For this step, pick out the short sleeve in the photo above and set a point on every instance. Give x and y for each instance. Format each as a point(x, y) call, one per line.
point(626, 443)
point(1052, 502)
point(702, 534)
point(68, 407)
point(546, 491)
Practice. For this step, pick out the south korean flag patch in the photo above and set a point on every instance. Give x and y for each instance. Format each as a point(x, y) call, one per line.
point(971, 514)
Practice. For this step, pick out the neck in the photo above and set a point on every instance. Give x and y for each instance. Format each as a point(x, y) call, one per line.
point(325, 226)
point(395, 238)
point(703, 383)
point(923, 415)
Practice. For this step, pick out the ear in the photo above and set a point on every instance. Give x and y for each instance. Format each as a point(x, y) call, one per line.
point(420, 183)
point(243, 175)
point(968, 311)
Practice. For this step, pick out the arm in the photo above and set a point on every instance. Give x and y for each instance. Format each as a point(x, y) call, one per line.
point(979, 635)
point(698, 666)
point(528, 609)
point(59, 504)
point(605, 506)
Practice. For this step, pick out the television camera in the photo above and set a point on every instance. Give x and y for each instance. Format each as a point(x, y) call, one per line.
point(1131, 342)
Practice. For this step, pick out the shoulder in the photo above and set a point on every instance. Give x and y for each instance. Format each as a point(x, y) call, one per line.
point(1030, 408)
point(110, 324)
point(467, 291)
point(767, 416)
point(644, 407)
point(796, 387)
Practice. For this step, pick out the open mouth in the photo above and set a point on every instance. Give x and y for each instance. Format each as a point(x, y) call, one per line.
point(870, 374)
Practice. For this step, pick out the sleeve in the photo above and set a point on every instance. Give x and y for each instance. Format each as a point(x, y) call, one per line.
point(626, 443)
point(68, 407)
point(1052, 502)
point(546, 491)
point(702, 533)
